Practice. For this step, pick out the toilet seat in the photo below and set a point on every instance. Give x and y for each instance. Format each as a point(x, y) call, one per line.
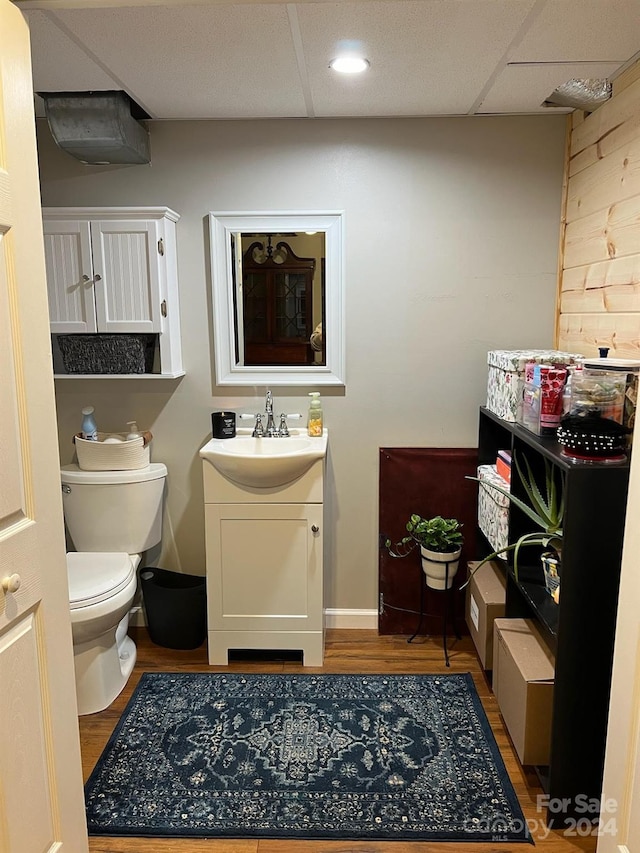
point(97, 576)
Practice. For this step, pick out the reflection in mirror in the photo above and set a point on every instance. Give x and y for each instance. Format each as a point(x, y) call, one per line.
point(279, 306)
point(278, 310)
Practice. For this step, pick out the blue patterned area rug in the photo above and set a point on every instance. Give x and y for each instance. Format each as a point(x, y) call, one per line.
point(400, 757)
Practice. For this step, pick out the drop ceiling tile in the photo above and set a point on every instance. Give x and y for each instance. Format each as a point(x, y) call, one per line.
point(524, 88)
point(580, 30)
point(190, 62)
point(59, 63)
point(428, 57)
point(243, 59)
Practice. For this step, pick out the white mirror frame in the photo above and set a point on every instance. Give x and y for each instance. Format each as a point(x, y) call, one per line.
point(222, 225)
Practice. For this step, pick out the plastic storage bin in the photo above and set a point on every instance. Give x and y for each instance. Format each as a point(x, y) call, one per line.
point(599, 393)
point(176, 608)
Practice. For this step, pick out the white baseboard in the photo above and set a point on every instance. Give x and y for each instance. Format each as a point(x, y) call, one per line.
point(334, 618)
point(347, 618)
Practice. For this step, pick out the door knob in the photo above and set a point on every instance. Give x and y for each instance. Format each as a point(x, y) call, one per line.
point(11, 583)
point(314, 528)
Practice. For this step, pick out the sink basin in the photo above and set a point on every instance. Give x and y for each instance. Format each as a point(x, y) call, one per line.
point(264, 462)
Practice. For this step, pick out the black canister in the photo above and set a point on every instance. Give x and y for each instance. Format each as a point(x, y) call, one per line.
point(223, 424)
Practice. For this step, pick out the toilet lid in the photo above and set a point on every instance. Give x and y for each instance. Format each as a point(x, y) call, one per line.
point(95, 576)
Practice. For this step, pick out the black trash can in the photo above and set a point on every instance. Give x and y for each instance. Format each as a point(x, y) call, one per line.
point(176, 608)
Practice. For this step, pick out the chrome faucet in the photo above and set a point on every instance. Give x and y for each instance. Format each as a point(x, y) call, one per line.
point(270, 429)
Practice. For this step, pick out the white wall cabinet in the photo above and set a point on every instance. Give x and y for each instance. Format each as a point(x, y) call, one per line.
point(114, 270)
point(264, 555)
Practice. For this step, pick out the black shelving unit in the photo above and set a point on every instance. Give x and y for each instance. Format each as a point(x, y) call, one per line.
point(580, 630)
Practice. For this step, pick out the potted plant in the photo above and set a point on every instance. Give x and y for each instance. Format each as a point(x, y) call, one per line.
point(546, 510)
point(440, 542)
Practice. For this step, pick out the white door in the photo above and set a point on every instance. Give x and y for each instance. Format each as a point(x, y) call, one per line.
point(620, 803)
point(127, 275)
point(67, 251)
point(41, 802)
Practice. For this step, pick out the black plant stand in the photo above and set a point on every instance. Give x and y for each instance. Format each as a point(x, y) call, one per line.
point(449, 604)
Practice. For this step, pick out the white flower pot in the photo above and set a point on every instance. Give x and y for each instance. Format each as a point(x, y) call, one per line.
point(440, 567)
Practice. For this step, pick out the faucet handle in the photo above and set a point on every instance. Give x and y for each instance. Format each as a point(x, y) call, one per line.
point(258, 430)
point(283, 429)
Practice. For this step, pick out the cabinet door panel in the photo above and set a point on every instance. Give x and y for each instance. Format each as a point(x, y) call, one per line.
point(128, 295)
point(67, 248)
point(264, 567)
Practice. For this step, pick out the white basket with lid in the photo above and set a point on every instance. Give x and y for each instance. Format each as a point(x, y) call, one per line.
point(113, 456)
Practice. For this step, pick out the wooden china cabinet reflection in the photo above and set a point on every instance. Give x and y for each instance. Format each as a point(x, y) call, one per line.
point(277, 304)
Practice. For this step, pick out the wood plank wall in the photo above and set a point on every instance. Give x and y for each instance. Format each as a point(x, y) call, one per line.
point(599, 289)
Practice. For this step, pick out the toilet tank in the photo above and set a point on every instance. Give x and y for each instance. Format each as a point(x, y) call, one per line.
point(113, 510)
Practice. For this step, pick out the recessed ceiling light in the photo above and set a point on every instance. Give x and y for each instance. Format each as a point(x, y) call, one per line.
point(349, 64)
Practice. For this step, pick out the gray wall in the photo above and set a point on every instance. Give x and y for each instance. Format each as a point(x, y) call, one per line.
point(451, 250)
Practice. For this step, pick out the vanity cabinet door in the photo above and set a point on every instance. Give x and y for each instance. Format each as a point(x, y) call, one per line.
point(69, 265)
point(264, 569)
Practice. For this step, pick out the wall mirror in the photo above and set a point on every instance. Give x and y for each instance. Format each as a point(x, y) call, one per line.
point(278, 297)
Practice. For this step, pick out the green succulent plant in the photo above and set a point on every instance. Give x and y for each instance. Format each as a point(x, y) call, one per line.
point(437, 534)
point(546, 510)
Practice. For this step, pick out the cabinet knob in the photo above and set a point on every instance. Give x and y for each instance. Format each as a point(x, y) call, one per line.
point(11, 583)
point(314, 528)
point(97, 277)
point(86, 278)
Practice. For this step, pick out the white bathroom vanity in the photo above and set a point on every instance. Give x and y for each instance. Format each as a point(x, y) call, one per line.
point(264, 550)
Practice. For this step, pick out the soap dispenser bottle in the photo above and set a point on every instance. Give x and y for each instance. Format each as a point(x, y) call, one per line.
point(133, 431)
point(314, 423)
point(89, 429)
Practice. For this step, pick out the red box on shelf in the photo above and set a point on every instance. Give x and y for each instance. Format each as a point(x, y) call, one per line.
point(503, 465)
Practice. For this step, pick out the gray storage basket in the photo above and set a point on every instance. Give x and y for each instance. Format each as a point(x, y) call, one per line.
point(119, 353)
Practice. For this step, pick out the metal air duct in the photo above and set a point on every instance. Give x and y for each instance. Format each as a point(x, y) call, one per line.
point(580, 94)
point(97, 128)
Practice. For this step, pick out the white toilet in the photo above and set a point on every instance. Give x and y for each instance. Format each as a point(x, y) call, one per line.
point(112, 517)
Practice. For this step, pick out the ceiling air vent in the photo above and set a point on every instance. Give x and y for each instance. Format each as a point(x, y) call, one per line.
point(580, 94)
point(98, 128)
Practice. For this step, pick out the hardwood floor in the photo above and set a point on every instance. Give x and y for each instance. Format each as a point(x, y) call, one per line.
point(346, 651)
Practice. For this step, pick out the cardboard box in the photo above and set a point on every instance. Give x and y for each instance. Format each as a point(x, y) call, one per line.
point(493, 508)
point(485, 602)
point(523, 675)
point(505, 384)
